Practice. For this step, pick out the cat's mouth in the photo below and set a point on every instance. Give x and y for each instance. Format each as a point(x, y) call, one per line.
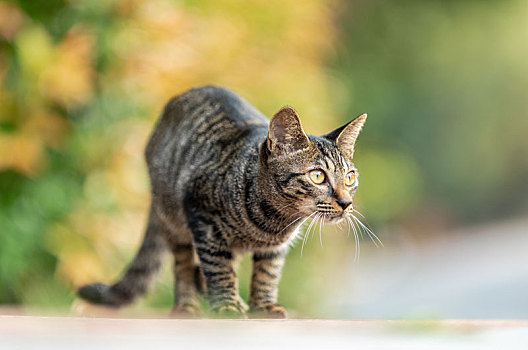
point(332, 217)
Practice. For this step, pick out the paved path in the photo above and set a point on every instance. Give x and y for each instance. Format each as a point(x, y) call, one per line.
point(478, 272)
point(29, 332)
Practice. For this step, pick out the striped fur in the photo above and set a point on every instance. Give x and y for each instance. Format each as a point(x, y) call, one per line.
point(226, 181)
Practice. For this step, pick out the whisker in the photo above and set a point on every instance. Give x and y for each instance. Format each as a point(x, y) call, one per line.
point(296, 220)
point(375, 239)
point(308, 232)
point(320, 226)
point(287, 205)
point(305, 219)
point(300, 225)
point(358, 228)
point(371, 234)
point(355, 211)
point(348, 227)
point(356, 240)
point(366, 226)
point(291, 223)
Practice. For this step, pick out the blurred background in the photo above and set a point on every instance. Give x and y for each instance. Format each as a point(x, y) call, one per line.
point(443, 157)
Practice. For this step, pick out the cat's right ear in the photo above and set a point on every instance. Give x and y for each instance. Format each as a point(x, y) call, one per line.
point(285, 133)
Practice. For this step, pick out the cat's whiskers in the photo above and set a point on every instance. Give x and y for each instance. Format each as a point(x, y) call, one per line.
point(348, 227)
point(370, 232)
point(306, 219)
point(288, 217)
point(285, 206)
point(357, 212)
point(353, 222)
point(291, 223)
point(359, 228)
point(296, 220)
point(375, 239)
point(320, 229)
point(307, 233)
point(298, 236)
point(317, 215)
point(356, 239)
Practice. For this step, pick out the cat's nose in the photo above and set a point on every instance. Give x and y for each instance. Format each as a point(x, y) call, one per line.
point(343, 203)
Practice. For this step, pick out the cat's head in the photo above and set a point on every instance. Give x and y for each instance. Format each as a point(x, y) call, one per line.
point(314, 173)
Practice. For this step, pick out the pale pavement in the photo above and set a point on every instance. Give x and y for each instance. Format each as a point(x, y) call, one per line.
point(479, 272)
point(55, 333)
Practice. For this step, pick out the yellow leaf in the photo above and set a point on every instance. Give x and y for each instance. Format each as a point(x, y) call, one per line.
point(20, 152)
point(69, 79)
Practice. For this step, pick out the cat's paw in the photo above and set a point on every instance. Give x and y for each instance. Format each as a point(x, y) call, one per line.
point(268, 311)
point(185, 311)
point(231, 310)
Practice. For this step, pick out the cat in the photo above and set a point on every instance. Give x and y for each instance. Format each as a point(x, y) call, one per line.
point(225, 181)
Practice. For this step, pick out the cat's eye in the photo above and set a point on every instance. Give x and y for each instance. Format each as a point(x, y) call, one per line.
point(317, 176)
point(350, 178)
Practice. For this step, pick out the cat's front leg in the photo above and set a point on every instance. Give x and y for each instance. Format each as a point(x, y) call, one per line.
point(267, 267)
point(217, 265)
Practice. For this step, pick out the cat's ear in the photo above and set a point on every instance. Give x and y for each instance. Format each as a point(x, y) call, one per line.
point(345, 137)
point(285, 133)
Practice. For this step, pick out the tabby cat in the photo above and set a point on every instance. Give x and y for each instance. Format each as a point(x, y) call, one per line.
point(226, 181)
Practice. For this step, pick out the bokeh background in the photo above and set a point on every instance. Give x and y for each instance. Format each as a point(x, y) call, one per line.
point(443, 157)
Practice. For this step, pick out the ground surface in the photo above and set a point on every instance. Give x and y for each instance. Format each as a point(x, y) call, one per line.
point(31, 332)
point(477, 272)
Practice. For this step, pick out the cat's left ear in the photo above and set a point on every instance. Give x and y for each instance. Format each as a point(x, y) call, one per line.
point(345, 137)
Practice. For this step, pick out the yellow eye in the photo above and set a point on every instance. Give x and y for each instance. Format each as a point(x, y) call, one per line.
point(317, 176)
point(350, 178)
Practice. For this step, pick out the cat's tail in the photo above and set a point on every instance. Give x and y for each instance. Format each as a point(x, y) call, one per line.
point(139, 274)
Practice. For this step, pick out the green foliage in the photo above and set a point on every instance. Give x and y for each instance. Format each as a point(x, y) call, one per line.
point(444, 83)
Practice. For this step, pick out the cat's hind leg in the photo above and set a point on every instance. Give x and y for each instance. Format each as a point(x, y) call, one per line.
point(139, 274)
